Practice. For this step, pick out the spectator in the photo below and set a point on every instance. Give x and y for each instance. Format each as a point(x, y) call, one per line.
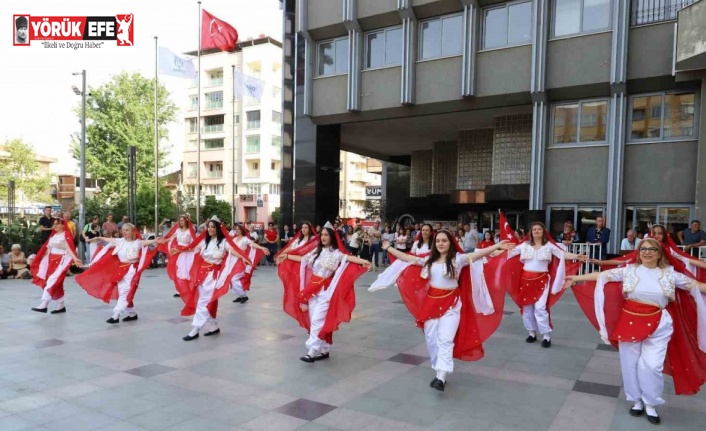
point(165, 227)
point(295, 229)
point(487, 240)
point(692, 238)
point(437, 227)
point(109, 228)
point(70, 224)
point(401, 240)
point(271, 241)
point(599, 234)
point(630, 242)
point(285, 236)
point(410, 238)
point(387, 235)
point(354, 242)
point(366, 249)
point(569, 235)
point(375, 236)
point(46, 224)
point(415, 231)
point(253, 234)
point(5, 261)
point(93, 232)
point(122, 222)
point(470, 238)
point(18, 263)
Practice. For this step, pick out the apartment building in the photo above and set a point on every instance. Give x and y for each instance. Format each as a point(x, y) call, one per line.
point(553, 110)
point(239, 154)
point(354, 182)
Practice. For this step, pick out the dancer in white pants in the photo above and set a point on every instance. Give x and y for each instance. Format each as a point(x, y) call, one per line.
point(240, 284)
point(650, 327)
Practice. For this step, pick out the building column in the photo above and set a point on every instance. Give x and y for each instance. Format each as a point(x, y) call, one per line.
point(468, 75)
point(289, 68)
point(409, 51)
point(540, 108)
point(355, 53)
point(700, 193)
point(617, 122)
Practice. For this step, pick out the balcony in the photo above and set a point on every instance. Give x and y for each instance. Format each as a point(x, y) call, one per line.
point(214, 174)
point(651, 11)
point(691, 38)
point(213, 128)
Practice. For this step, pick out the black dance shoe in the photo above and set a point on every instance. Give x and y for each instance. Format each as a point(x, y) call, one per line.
point(214, 332)
point(40, 310)
point(546, 343)
point(308, 359)
point(438, 385)
point(176, 295)
point(654, 420)
point(58, 310)
point(130, 318)
point(321, 356)
point(637, 412)
point(244, 299)
point(531, 339)
point(112, 321)
point(191, 337)
point(238, 299)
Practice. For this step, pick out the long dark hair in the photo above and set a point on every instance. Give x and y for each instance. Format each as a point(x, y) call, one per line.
point(333, 244)
point(420, 243)
point(545, 235)
point(219, 233)
point(311, 232)
point(450, 256)
point(240, 227)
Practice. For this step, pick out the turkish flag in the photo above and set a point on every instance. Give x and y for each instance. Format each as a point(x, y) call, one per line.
point(506, 232)
point(216, 33)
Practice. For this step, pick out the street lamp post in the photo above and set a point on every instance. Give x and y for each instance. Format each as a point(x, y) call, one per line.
point(82, 184)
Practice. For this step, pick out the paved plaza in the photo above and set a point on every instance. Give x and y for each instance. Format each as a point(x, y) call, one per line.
point(75, 372)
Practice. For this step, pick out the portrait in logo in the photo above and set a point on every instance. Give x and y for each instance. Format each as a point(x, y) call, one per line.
point(125, 29)
point(21, 30)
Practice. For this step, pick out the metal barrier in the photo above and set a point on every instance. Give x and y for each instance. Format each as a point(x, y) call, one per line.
point(701, 254)
point(590, 250)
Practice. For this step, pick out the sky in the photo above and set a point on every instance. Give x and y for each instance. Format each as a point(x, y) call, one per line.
point(35, 82)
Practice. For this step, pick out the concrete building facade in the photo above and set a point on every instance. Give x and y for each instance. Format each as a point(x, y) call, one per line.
point(553, 110)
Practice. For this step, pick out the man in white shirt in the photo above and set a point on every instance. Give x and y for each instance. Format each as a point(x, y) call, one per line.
point(630, 242)
point(470, 238)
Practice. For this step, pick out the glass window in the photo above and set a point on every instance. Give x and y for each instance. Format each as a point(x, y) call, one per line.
point(215, 77)
point(276, 141)
point(675, 219)
point(214, 100)
point(663, 116)
point(383, 48)
point(507, 25)
point(276, 117)
point(191, 171)
point(342, 55)
point(213, 123)
point(583, 122)
point(253, 120)
point(580, 16)
point(215, 170)
point(211, 144)
point(252, 144)
point(441, 37)
point(194, 102)
point(193, 125)
point(333, 57)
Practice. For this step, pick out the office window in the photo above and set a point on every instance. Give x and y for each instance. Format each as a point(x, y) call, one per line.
point(191, 170)
point(193, 125)
point(276, 117)
point(254, 189)
point(214, 100)
point(663, 116)
point(507, 25)
point(333, 56)
point(253, 120)
point(580, 16)
point(276, 141)
point(211, 144)
point(578, 123)
point(214, 170)
point(252, 144)
point(441, 37)
point(383, 48)
point(274, 189)
point(215, 77)
point(213, 189)
point(214, 123)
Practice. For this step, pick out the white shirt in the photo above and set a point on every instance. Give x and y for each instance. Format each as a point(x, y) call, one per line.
point(536, 260)
point(438, 276)
point(326, 263)
point(653, 286)
point(243, 243)
point(625, 244)
point(353, 242)
point(57, 244)
point(127, 251)
point(214, 253)
point(421, 250)
point(470, 239)
point(184, 237)
point(401, 242)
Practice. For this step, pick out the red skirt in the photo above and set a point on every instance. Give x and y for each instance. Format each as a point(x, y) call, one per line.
point(191, 298)
point(436, 304)
point(315, 285)
point(532, 285)
point(637, 321)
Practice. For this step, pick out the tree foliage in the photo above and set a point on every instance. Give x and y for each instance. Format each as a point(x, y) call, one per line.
point(119, 114)
point(211, 207)
point(372, 208)
point(23, 168)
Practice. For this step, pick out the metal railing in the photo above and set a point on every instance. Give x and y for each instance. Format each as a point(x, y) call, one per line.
point(651, 11)
point(590, 250)
point(701, 254)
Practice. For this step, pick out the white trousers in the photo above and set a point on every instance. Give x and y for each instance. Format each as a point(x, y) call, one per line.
point(318, 308)
point(236, 286)
point(439, 334)
point(202, 315)
point(536, 317)
point(642, 362)
point(123, 291)
point(51, 281)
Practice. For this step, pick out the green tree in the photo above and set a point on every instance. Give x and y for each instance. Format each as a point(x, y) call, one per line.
point(22, 167)
point(372, 208)
point(119, 114)
point(276, 217)
point(212, 207)
point(144, 202)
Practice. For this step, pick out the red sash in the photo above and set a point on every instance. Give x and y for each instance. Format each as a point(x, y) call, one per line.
point(313, 287)
point(637, 321)
point(436, 304)
point(532, 285)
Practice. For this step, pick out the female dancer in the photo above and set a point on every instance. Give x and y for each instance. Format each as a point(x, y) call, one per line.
point(240, 284)
point(51, 264)
point(216, 261)
point(178, 268)
point(321, 296)
point(655, 326)
point(304, 236)
point(116, 275)
point(421, 248)
point(445, 311)
point(535, 280)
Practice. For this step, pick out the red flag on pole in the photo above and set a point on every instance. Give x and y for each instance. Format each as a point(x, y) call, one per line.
point(216, 33)
point(506, 232)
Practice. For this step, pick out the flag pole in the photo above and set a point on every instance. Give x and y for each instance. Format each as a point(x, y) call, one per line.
point(233, 186)
point(198, 137)
point(156, 140)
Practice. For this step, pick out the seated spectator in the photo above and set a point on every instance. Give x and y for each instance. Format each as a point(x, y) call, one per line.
point(630, 242)
point(5, 261)
point(568, 235)
point(18, 263)
point(692, 238)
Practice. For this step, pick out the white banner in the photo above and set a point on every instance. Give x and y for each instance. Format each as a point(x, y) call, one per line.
point(174, 65)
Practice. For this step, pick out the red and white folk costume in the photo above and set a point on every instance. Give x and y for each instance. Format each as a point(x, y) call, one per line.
point(179, 266)
point(115, 274)
point(50, 266)
point(240, 284)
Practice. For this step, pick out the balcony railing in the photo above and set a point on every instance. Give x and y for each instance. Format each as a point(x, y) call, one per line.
point(652, 11)
point(215, 174)
point(213, 128)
